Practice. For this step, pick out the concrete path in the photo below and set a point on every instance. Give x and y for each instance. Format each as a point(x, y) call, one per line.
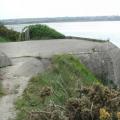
point(46, 48)
point(13, 87)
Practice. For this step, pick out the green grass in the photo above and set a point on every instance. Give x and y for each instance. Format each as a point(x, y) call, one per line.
point(4, 39)
point(63, 77)
point(8, 34)
point(38, 32)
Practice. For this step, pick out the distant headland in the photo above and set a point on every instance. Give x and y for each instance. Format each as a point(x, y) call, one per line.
point(60, 19)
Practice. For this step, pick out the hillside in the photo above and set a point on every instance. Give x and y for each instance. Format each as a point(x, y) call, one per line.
point(61, 19)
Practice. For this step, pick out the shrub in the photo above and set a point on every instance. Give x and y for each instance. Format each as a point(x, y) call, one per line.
point(104, 115)
point(118, 115)
point(2, 39)
point(8, 33)
point(35, 32)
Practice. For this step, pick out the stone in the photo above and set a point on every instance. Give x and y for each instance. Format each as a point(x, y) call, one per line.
point(4, 60)
point(30, 68)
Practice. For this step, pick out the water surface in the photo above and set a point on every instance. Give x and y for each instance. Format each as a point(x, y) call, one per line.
point(108, 30)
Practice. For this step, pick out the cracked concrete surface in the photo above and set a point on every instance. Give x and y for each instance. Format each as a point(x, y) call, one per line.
point(31, 57)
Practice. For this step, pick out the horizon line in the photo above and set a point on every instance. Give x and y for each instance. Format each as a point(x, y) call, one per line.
point(61, 17)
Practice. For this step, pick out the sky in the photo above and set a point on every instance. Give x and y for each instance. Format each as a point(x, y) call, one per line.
point(57, 8)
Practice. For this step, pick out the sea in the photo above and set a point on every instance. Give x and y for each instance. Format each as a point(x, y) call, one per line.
point(104, 30)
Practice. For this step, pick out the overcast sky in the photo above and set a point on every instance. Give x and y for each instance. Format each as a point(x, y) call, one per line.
point(57, 8)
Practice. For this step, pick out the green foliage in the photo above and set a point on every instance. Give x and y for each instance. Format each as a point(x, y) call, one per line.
point(59, 83)
point(69, 64)
point(37, 32)
point(8, 34)
point(94, 102)
point(32, 32)
point(104, 114)
point(3, 39)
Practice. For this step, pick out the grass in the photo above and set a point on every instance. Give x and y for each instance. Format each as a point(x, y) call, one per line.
point(39, 31)
point(61, 81)
point(4, 39)
point(8, 34)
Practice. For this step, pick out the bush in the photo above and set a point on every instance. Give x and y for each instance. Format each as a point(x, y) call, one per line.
point(2, 39)
point(104, 115)
point(37, 32)
point(8, 34)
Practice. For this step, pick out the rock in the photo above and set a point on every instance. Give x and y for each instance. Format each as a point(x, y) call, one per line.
point(30, 68)
point(4, 60)
point(100, 64)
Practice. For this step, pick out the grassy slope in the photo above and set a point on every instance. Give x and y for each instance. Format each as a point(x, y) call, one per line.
point(63, 77)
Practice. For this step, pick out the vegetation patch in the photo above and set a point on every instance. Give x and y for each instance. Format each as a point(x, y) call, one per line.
point(68, 91)
point(32, 32)
point(8, 34)
point(62, 81)
point(4, 39)
point(38, 32)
